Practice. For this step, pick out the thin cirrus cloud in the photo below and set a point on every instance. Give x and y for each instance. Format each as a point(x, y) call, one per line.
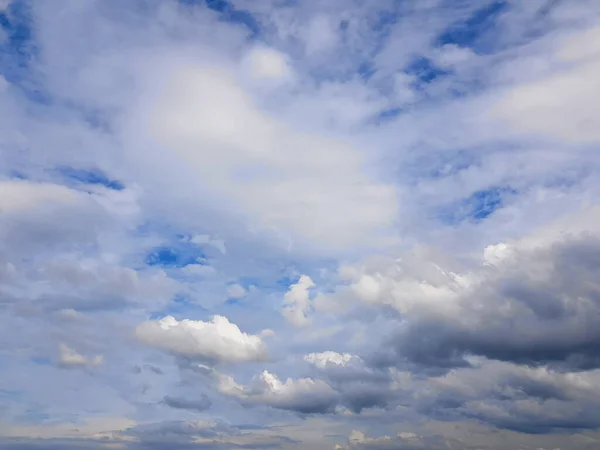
point(342, 224)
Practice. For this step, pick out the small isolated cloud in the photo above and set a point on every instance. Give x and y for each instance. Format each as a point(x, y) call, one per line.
point(218, 340)
point(70, 358)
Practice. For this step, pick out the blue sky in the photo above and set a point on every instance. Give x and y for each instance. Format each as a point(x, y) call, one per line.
point(341, 225)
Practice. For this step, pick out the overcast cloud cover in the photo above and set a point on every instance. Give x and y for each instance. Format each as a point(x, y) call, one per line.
point(335, 224)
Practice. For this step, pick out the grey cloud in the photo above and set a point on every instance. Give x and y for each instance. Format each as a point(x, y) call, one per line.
point(543, 308)
point(201, 404)
point(506, 395)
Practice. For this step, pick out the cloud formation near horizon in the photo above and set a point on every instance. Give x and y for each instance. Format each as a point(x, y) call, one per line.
point(322, 224)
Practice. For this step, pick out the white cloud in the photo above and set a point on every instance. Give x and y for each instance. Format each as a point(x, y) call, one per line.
point(450, 55)
point(410, 285)
point(562, 104)
point(219, 244)
point(297, 304)
point(308, 187)
point(218, 340)
point(23, 195)
point(321, 36)
point(235, 291)
point(324, 359)
point(199, 270)
point(267, 63)
point(359, 439)
point(70, 358)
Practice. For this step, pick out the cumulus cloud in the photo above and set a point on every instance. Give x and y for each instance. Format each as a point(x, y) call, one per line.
point(303, 395)
point(218, 340)
point(531, 301)
point(297, 303)
point(329, 358)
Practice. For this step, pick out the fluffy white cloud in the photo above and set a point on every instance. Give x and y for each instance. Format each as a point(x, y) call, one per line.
point(297, 303)
point(409, 284)
point(218, 340)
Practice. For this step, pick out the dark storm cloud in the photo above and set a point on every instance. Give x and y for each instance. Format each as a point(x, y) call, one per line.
point(544, 308)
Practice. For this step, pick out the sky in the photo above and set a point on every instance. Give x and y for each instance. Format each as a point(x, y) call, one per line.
point(284, 224)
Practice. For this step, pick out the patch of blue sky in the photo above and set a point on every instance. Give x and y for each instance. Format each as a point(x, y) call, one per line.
point(175, 257)
point(385, 115)
point(388, 114)
point(424, 70)
point(366, 70)
point(477, 31)
point(235, 302)
point(229, 13)
point(172, 249)
point(9, 394)
point(18, 49)
point(91, 176)
point(40, 361)
point(34, 416)
point(477, 207)
point(385, 20)
point(182, 308)
point(17, 175)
